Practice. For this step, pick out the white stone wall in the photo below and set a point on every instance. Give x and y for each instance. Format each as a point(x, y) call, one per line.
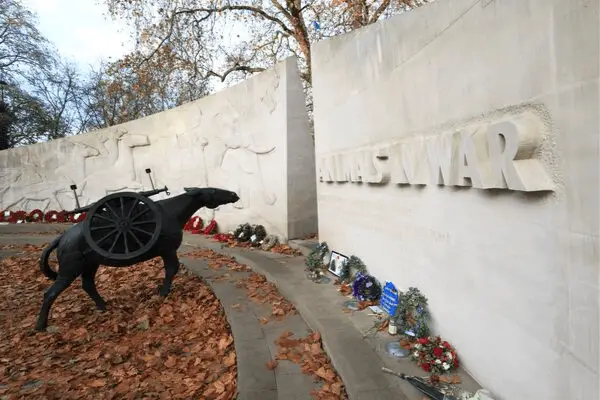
point(510, 266)
point(246, 139)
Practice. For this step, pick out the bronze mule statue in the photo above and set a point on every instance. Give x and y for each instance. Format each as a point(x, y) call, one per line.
point(76, 258)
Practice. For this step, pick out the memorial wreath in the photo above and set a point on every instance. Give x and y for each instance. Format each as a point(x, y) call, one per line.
point(366, 287)
point(434, 355)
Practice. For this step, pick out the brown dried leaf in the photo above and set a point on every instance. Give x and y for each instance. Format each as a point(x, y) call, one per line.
point(171, 362)
point(229, 360)
point(271, 364)
point(97, 383)
point(225, 341)
point(451, 379)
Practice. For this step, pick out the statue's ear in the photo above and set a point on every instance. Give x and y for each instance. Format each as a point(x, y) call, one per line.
point(192, 191)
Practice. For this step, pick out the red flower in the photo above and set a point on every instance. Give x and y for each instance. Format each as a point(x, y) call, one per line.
point(446, 345)
point(423, 340)
point(455, 362)
point(426, 367)
point(438, 352)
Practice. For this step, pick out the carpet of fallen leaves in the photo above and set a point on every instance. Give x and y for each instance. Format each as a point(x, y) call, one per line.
point(306, 352)
point(143, 347)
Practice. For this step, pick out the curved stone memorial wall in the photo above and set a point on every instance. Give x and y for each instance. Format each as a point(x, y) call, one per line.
point(252, 138)
point(457, 150)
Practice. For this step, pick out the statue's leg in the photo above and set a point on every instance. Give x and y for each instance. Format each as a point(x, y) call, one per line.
point(171, 263)
point(61, 283)
point(89, 285)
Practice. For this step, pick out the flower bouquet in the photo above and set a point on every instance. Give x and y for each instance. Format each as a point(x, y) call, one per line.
point(434, 355)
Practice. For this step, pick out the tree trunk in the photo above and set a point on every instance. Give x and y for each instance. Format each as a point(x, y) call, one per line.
point(4, 126)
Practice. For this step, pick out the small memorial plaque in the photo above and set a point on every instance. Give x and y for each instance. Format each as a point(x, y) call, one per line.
point(336, 263)
point(389, 299)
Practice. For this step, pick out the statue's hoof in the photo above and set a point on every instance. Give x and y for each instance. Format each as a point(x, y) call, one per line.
point(162, 292)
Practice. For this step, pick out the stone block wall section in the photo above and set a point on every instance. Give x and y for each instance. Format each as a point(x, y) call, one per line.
point(252, 138)
point(457, 150)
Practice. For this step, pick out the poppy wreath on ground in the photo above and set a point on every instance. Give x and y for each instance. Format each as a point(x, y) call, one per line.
point(62, 217)
point(18, 216)
point(5, 215)
point(366, 287)
point(211, 228)
point(11, 217)
point(78, 217)
point(36, 215)
point(434, 355)
point(51, 216)
point(194, 223)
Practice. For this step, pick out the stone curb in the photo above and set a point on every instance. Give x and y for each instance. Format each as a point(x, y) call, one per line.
point(359, 368)
point(253, 380)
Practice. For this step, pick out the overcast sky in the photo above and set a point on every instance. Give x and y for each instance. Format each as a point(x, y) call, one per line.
point(80, 30)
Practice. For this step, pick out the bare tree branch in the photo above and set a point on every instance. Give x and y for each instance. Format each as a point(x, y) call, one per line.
point(255, 10)
point(243, 68)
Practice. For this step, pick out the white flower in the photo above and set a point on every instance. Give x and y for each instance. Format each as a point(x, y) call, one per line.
point(417, 346)
point(446, 366)
point(416, 354)
point(449, 355)
point(438, 361)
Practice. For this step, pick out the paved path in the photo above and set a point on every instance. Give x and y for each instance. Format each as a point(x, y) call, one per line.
point(357, 360)
point(255, 343)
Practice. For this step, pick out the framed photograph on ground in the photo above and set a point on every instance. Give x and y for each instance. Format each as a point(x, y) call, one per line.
point(336, 263)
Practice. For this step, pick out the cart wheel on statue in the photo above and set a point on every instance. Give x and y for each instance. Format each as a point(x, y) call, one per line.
point(122, 226)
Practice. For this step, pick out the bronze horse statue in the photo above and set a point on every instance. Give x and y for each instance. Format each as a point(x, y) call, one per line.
point(76, 258)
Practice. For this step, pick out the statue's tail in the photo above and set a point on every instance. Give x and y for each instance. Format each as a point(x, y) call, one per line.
point(44, 266)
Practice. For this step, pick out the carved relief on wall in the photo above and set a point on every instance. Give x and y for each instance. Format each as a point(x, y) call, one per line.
point(221, 144)
point(241, 154)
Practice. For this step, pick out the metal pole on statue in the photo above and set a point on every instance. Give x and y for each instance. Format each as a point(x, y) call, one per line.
point(148, 171)
point(74, 189)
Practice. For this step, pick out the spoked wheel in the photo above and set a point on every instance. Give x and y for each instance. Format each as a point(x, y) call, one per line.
point(123, 226)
